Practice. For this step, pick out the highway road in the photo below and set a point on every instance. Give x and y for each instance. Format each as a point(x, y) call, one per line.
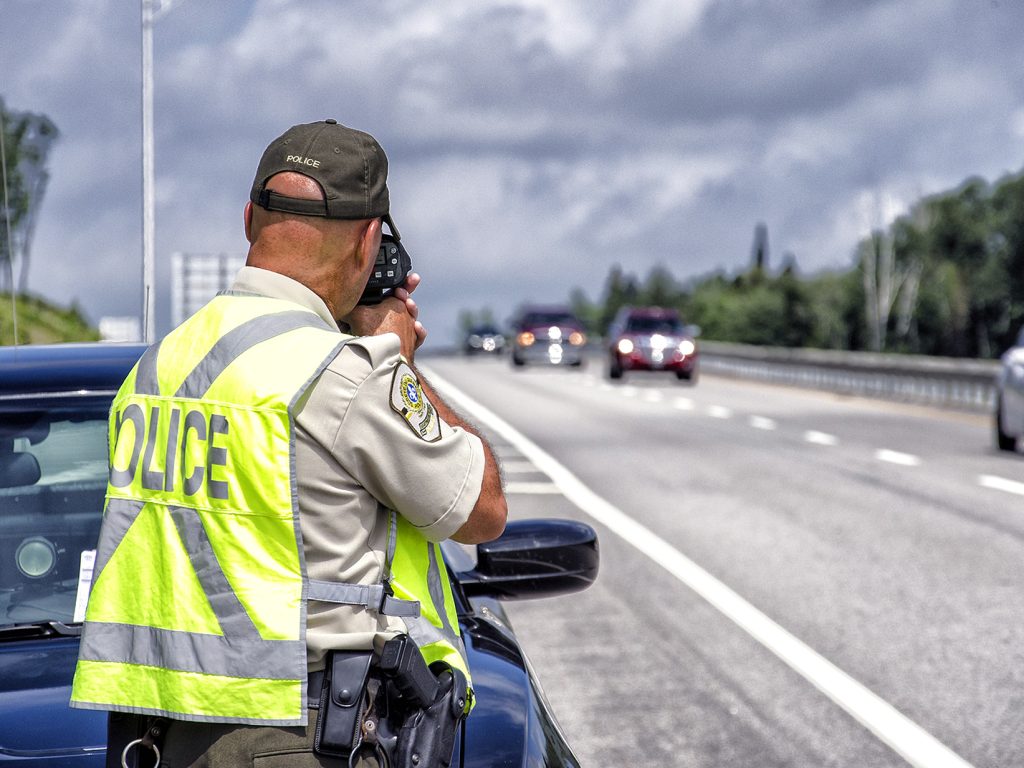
point(788, 578)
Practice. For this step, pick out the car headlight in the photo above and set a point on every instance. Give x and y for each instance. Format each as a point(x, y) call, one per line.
point(36, 557)
point(577, 339)
point(625, 346)
point(687, 347)
point(525, 339)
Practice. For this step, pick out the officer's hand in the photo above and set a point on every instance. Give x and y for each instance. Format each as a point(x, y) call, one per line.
point(396, 314)
point(404, 293)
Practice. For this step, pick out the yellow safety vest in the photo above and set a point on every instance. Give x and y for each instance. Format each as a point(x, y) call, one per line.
point(198, 604)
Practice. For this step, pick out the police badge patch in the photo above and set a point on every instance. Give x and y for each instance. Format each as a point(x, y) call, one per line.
point(408, 400)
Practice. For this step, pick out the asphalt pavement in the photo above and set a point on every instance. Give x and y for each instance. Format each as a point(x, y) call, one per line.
point(788, 578)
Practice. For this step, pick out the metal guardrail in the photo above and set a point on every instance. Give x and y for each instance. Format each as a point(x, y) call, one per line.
point(945, 382)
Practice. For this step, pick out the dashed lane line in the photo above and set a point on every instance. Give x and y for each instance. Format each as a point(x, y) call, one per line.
point(895, 457)
point(767, 424)
point(900, 733)
point(719, 412)
point(1001, 484)
point(511, 466)
point(820, 438)
point(532, 488)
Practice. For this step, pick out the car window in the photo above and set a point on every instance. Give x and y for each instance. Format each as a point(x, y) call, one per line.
point(654, 325)
point(53, 473)
point(549, 318)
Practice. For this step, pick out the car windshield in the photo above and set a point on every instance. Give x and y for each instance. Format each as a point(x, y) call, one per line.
point(53, 473)
point(654, 325)
point(548, 318)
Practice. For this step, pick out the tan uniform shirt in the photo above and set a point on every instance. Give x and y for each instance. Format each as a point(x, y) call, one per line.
point(356, 457)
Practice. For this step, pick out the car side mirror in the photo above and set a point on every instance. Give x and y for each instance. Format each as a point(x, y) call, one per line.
point(693, 330)
point(534, 558)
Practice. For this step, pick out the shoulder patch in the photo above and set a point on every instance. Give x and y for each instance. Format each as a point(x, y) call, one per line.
point(408, 401)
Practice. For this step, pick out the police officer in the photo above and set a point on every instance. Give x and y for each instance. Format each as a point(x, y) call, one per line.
point(278, 485)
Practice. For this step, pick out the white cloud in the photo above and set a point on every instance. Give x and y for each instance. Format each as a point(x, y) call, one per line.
point(533, 143)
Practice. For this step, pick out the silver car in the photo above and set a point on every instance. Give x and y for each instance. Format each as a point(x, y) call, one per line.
point(1009, 416)
point(548, 336)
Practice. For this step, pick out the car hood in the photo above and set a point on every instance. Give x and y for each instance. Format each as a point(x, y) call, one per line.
point(511, 724)
point(36, 724)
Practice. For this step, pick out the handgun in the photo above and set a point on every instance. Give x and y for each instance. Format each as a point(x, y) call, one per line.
point(402, 661)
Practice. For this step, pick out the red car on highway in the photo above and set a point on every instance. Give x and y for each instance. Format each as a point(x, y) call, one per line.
point(651, 339)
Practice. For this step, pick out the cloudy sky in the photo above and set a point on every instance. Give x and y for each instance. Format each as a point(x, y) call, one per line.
point(533, 143)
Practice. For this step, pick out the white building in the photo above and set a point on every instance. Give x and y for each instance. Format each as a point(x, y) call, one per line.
point(198, 277)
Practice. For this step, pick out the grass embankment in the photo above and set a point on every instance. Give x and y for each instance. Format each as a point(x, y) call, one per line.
point(40, 322)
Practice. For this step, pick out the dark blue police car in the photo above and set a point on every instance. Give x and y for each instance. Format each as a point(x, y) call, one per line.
point(54, 402)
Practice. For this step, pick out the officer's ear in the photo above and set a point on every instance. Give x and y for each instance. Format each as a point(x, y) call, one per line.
point(248, 221)
point(369, 244)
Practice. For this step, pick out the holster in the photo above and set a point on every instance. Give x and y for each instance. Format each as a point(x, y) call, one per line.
point(342, 703)
point(427, 737)
point(396, 710)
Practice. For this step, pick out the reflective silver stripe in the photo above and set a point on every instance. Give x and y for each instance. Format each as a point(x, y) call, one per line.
point(372, 597)
point(146, 380)
point(189, 651)
point(423, 632)
point(117, 519)
point(346, 593)
point(232, 344)
point(234, 619)
point(396, 606)
point(437, 591)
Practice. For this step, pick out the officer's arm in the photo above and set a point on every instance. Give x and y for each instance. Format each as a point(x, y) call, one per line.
point(487, 520)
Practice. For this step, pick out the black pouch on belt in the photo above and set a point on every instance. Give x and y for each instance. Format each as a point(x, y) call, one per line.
point(342, 703)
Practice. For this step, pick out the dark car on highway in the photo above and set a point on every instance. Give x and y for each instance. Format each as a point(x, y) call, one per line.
point(651, 339)
point(485, 340)
point(54, 403)
point(547, 335)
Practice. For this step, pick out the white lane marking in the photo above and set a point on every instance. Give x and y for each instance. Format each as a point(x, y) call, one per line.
point(900, 733)
point(512, 467)
point(820, 438)
point(1001, 484)
point(762, 422)
point(653, 396)
point(895, 457)
point(628, 391)
point(719, 412)
point(532, 488)
point(683, 404)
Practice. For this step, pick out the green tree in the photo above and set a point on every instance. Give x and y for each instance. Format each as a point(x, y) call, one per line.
point(620, 290)
point(660, 288)
point(26, 139)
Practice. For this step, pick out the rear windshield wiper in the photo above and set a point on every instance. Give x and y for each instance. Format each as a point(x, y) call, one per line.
point(39, 629)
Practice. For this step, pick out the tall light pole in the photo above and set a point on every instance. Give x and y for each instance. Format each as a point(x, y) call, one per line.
point(152, 11)
point(148, 224)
